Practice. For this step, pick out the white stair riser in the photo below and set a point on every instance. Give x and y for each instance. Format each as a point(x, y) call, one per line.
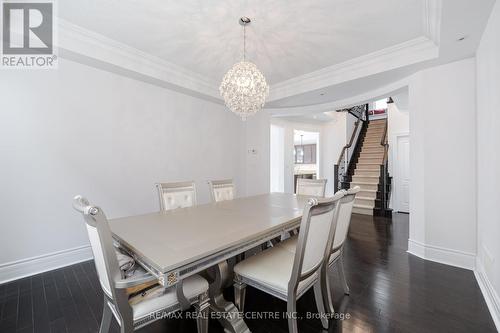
point(367, 194)
point(373, 144)
point(371, 154)
point(372, 150)
point(365, 186)
point(370, 160)
point(368, 167)
point(364, 179)
point(364, 173)
point(362, 211)
point(365, 202)
point(374, 140)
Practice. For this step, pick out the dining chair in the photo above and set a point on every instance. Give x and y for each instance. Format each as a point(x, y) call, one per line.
point(312, 187)
point(134, 315)
point(336, 257)
point(176, 195)
point(288, 275)
point(221, 190)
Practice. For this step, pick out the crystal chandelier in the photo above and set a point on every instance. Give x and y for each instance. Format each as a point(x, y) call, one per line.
point(244, 87)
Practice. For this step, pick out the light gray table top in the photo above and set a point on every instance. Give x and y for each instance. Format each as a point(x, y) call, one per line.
point(171, 239)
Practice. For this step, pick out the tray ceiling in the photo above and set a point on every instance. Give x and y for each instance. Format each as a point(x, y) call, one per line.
point(286, 38)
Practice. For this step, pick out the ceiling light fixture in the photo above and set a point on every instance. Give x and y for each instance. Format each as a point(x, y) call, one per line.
point(244, 87)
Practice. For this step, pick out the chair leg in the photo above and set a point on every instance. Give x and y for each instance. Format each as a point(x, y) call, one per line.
point(239, 293)
point(291, 308)
point(342, 275)
point(202, 309)
point(127, 327)
point(318, 296)
point(107, 315)
point(327, 294)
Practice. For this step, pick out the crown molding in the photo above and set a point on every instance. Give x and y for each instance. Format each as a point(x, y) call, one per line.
point(407, 53)
point(432, 19)
point(365, 97)
point(82, 45)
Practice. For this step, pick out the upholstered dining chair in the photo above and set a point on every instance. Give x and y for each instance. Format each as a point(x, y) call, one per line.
point(312, 187)
point(288, 275)
point(176, 195)
point(132, 315)
point(337, 251)
point(221, 190)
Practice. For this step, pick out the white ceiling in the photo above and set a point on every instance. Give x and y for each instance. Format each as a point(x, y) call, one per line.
point(286, 38)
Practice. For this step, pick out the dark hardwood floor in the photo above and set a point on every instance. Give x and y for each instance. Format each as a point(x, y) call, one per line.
point(391, 291)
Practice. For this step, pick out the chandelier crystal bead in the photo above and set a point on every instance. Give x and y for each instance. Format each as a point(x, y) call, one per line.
point(244, 88)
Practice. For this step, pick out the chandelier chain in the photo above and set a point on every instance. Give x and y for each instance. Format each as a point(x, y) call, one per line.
point(244, 42)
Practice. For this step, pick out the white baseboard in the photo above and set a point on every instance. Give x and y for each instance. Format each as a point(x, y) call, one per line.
point(31, 266)
point(489, 294)
point(442, 255)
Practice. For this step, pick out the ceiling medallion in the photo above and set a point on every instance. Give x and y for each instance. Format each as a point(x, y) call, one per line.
point(244, 87)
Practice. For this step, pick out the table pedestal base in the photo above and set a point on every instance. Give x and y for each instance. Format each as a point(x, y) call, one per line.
point(227, 313)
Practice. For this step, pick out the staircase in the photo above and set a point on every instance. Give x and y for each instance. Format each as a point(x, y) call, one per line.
point(363, 162)
point(367, 170)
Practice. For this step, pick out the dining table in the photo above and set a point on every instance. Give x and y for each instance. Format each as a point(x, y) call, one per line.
point(173, 245)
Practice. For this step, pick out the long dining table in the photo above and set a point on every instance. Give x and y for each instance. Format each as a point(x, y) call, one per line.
point(176, 244)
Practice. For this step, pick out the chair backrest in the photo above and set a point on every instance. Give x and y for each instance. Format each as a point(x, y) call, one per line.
point(176, 195)
point(221, 190)
point(317, 230)
point(344, 220)
point(106, 263)
point(312, 187)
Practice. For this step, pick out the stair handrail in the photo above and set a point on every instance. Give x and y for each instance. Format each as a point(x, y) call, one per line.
point(383, 142)
point(347, 146)
point(345, 150)
point(384, 169)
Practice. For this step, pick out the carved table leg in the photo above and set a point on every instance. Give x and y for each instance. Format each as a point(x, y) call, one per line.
point(229, 315)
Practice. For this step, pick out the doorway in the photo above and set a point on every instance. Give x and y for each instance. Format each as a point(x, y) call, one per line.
point(305, 155)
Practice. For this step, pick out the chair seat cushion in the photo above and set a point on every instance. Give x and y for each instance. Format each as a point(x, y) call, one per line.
point(290, 245)
point(158, 298)
point(272, 268)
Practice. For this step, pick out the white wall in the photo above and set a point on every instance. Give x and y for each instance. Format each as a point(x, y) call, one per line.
point(257, 154)
point(277, 159)
point(443, 150)
point(488, 163)
point(398, 123)
point(80, 130)
point(336, 134)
